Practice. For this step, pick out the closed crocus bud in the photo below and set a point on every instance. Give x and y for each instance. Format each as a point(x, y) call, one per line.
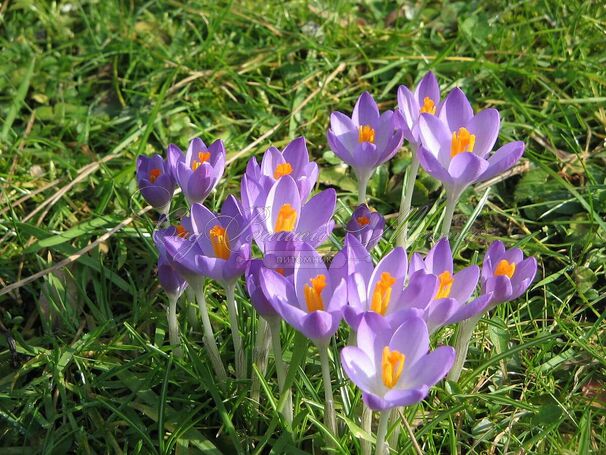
point(199, 171)
point(505, 273)
point(170, 280)
point(257, 297)
point(394, 367)
point(367, 139)
point(366, 225)
point(457, 145)
point(155, 181)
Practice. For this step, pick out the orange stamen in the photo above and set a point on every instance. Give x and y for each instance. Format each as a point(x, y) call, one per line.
point(429, 107)
point(363, 220)
point(154, 174)
point(392, 363)
point(382, 293)
point(462, 141)
point(181, 231)
point(287, 218)
point(366, 133)
point(313, 293)
point(282, 170)
point(446, 281)
point(505, 268)
point(219, 241)
point(203, 157)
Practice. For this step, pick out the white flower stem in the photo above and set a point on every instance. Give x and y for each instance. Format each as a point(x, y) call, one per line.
point(235, 331)
point(173, 324)
point(381, 447)
point(329, 403)
point(407, 190)
point(274, 327)
point(395, 434)
point(362, 186)
point(209, 337)
point(451, 203)
point(367, 427)
point(463, 337)
point(190, 303)
point(260, 355)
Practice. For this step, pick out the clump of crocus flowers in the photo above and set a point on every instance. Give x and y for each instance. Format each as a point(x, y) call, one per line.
point(392, 304)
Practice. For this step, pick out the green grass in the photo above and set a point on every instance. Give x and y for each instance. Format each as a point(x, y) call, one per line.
point(86, 86)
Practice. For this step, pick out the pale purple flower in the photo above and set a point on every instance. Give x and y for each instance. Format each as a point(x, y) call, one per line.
point(394, 368)
point(311, 301)
point(155, 181)
point(457, 145)
point(367, 139)
point(199, 170)
point(505, 273)
point(366, 225)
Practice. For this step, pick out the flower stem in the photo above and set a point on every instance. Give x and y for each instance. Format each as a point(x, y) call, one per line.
point(382, 433)
point(235, 331)
point(451, 203)
point(209, 337)
point(367, 427)
point(173, 324)
point(260, 354)
point(407, 191)
point(395, 434)
point(362, 186)
point(329, 406)
point(274, 328)
point(463, 337)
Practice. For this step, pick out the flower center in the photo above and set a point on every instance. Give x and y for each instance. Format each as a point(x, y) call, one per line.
point(446, 280)
point(382, 293)
point(363, 220)
point(154, 174)
point(505, 268)
point(287, 217)
point(282, 170)
point(219, 241)
point(462, 141)
point(281, 271)
point(181, 231)
point(313, 293)
point(429, 107)
point(392, 364)
point(203, 157)
point(366, 133)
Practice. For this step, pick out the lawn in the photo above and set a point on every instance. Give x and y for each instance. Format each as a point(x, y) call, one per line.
point(85, 87)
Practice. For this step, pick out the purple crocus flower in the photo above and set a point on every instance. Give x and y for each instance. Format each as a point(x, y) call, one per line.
point(199, 171)
point(293, 161)
point(457, 145)
point(367, 139)
point(394, 367)
point(312, 301)
point(424, 100)
point(505, 273)
point(257, 297)
point(366, 225)
point(155, 181)
point(451, 291)
point(379, 289)
point(285, 216)
point(216, 245)
point(170, 280)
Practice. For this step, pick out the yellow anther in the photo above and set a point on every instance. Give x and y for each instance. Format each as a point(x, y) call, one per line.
point(363, 220)
point(382, 293)
point(287, 218)
point(366, 133)
point(429, 107)
point(462, 141)
point(313, 293)
point(392, 363)
point(505, 268)
point(203, 157)
point(219, 241)
point(154, 174)
point(446, 280)
point(282, 170)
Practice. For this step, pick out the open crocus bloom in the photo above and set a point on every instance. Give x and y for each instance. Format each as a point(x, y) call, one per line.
point(367, 139)
point(155, 181)
point(366, 225)
point(424, 100)
point(376, 289)
point(285, 216)
point(312, 301)
point(456, 144)
point(214, 245)
point(394, 367)
point(293, 161)
point(199, 171)
point(505, 273)
point(452, 291)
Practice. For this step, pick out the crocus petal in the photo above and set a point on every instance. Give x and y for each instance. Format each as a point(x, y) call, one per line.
point(320, 325)
point(433, 167)
point(366, 111)
point(473, 308)
point(464, 283)
point(456, 110)
point(374, 333)
point(394, 263)
point(409, 108)
point(503, 159)
point(465, 168)
point(284, 191)
point(339, 148)
point(439, 258)
point(271, 158)
point(358, 367)
point(296, 154)
point(397, 398)
point(427, 88)
point(413, 329)
point(485, 126)
point(431, 368)
point(435, 137)
point(317, 211)
point(439, 313)
point(499, 287)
